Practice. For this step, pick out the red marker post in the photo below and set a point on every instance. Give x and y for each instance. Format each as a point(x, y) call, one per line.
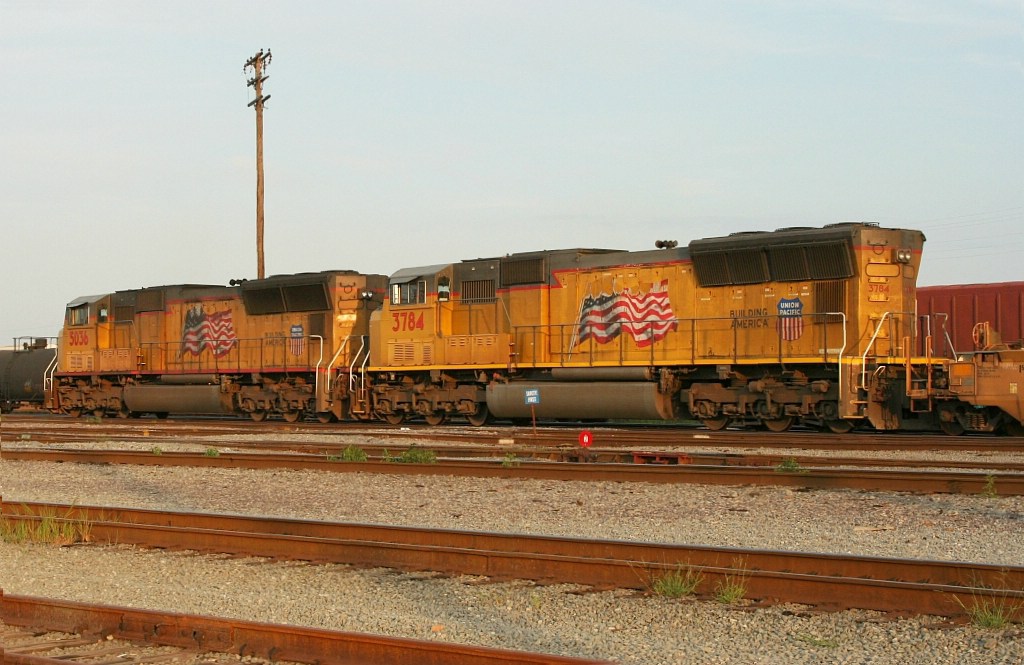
point(586, 439)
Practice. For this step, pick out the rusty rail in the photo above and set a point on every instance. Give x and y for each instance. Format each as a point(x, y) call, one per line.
point(608, 435)
point(271, 642)
point(925, 482)
point(825, 580)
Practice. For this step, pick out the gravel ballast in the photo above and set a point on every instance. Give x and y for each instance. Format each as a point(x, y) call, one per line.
point(623, 626)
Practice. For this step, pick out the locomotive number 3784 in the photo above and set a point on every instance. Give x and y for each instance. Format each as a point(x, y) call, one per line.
point(406, 321)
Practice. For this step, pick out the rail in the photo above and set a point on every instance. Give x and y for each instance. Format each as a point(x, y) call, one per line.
point(873, 583)
point(60, 631)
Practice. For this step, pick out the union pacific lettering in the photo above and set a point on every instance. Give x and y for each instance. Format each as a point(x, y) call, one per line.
point(749, 318)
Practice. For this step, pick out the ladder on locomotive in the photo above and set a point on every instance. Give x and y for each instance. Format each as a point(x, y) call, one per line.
point(920, 378)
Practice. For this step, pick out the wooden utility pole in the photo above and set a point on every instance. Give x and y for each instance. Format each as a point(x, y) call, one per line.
point(258, 63)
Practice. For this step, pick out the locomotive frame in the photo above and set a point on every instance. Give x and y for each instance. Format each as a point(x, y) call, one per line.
point(816, 326)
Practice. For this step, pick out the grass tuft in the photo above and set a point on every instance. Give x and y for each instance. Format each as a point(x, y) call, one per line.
point(678, 583)
point(351, 454)
point(733, 586)
point(50, 529)
point(990, 486)
point(818, 641)
point(992, 613)
point(416, 455)
point(789, 465)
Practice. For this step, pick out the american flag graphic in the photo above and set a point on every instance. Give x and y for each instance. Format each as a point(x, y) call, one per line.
point(207, 331)
point(297, 341)
point(791, 319)
point(647, 318)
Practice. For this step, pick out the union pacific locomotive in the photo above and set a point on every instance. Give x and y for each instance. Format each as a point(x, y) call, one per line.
point(802, 325)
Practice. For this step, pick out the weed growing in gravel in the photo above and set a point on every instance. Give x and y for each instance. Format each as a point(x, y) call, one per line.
point(414, 455)
point(818, 641)
point(351, 454)
point(510, 461)
point(48, 529)
point(732, 587)
point(730, 590)
point(988, 612)
point(789, 465)
point(992, 613)
point(157, 450)
point(678, 583)
point(212, 452)
point(990, 486)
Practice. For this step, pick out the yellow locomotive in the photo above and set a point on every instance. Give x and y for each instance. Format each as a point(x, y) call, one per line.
point(804, 324)
point(816, 326)
point(279, 345)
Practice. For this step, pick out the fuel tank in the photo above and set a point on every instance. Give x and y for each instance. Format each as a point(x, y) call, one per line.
point(195, 399)
point(622, 400)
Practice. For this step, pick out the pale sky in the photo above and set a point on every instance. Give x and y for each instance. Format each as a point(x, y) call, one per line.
point(410, 133)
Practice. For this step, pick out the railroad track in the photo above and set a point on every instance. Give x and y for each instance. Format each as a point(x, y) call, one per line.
point(828, 581)
point(37, 631)
point(987, 482)
point(52, 428)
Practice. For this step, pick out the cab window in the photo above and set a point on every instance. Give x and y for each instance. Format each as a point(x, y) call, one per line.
point(410, 293)
point(78, 316)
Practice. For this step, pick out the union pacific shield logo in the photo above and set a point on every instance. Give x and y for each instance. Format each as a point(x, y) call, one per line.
point(791, 319)
point(297, 342)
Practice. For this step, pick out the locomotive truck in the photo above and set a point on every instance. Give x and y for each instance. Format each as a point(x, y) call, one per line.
point(816, 326)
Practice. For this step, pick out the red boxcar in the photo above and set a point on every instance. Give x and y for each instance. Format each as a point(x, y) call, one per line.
point(958, 307)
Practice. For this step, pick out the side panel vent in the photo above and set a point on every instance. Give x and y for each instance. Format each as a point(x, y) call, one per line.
point(478, 290)
point(523, 271)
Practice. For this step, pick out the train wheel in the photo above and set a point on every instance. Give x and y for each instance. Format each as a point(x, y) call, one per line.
point(75, 413)
point(839, 426)
point(481, 416)
point(161, 415)
point(291, 416)
point(1013, 428)
point(952, 428)
point(435, 419)
point(716, 423)
point(123, 412)
point(258, 416)
point(394, 418)
point(778, 424)
point(99, 413)
point(325, 417)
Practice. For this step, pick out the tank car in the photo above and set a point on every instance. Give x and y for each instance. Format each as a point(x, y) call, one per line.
point(809, 325)
point(22, 369)
point(285, 346)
